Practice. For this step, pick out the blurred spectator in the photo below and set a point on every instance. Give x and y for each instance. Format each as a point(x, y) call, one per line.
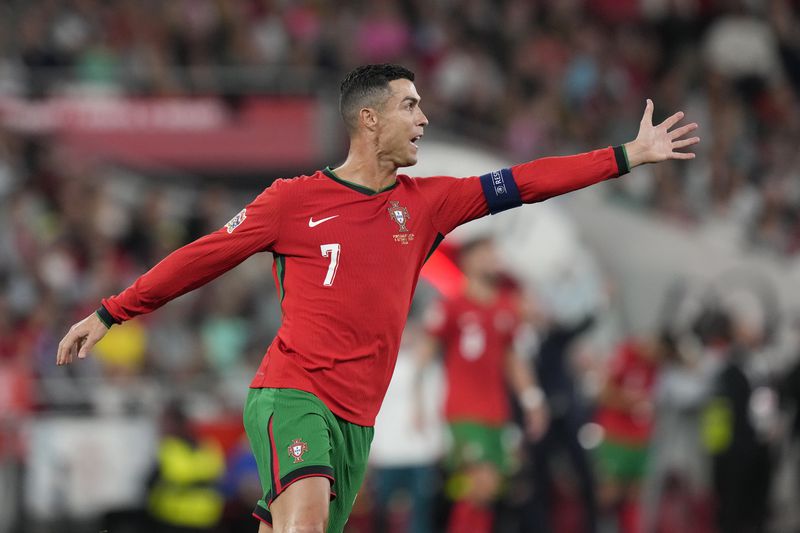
point(788, 471)
point(405, 451)
point(568, 414)
point(241, 487)
point(555, 72)
point(675, 492)
point(184, 496)
point(741, 468)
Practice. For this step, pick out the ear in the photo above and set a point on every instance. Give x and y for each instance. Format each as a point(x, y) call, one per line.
point(368, 118)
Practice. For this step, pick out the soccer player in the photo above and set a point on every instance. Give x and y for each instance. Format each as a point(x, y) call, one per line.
point(348, 245)
point(476, 331)
point(625, 411)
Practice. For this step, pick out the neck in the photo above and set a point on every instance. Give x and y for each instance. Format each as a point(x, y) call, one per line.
point(480, 291)
point(364, 166)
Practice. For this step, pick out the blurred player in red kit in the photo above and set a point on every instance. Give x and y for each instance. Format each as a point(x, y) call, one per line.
point(348, 246)
point(626, 415)
point(476, 332)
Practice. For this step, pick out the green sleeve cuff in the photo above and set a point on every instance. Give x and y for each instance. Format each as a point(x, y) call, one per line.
point(621, 156)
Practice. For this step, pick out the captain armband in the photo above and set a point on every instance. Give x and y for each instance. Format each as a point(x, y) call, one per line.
point(500, 190)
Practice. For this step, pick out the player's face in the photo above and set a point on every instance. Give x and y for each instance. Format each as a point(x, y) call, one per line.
point(400, 124)
point(482, 262)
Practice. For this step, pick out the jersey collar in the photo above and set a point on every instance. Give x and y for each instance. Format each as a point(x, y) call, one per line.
point(355, 186)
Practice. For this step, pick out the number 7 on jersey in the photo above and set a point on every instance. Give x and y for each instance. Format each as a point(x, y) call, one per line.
point(331, 250)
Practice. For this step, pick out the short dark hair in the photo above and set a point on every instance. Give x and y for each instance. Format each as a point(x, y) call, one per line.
point(473, 244)
point(364, 86)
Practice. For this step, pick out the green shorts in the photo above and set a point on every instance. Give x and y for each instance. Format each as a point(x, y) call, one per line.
point(294, 436)
point(474, 442)
point(622, 462)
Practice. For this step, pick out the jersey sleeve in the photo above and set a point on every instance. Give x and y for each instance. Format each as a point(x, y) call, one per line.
point(454, 201)
point(547, 177)
point(254, 229)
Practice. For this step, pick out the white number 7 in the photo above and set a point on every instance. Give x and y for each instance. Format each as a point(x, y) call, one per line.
point(333, 251)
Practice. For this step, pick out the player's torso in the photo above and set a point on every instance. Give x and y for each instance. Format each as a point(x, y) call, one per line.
point(475, 352)
point(481, 333)
point(348, 263)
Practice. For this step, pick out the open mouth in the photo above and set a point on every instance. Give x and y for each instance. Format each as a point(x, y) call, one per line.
point(415, 139)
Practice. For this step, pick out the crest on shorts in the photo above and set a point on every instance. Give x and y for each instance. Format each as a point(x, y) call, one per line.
point(296, 450)
point(399, 214)
point(236, 221)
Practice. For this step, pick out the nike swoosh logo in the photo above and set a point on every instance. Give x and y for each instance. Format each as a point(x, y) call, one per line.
point(312, 223)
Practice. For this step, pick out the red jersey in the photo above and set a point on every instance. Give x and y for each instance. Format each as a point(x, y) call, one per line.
point(633, 374)
point(347, 259)
point(476, 338)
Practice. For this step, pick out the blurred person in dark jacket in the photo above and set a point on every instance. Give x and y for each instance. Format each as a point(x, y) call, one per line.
point(740, 462)
point(568, 414)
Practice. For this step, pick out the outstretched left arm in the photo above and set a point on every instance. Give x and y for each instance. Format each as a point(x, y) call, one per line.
point(456, 201)
point(544, 178)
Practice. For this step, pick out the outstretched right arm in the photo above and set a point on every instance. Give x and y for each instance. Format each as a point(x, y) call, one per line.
point(254, 229)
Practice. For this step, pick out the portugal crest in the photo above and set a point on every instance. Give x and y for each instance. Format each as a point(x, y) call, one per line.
point(399, 214)
point(296, 450)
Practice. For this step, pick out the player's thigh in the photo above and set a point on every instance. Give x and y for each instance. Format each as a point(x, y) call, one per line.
point(303, 506)
point(484, 482)
point(290, 434)
point(350, 453)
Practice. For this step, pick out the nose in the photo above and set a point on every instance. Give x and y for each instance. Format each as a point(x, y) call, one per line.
point(423, 120)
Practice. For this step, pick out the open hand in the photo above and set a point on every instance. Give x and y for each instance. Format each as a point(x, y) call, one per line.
point(659, 143)
point(80, 338)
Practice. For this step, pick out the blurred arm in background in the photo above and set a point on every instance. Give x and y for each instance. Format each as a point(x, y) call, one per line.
point(525, 387)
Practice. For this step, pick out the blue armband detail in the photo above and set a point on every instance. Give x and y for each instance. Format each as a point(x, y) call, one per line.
point(500, 190)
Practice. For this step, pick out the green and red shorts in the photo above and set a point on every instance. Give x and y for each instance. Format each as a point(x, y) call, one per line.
point(295, 436)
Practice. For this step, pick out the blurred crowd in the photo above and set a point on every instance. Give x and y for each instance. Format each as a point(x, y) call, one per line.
point(527, 78)
point(532, 78)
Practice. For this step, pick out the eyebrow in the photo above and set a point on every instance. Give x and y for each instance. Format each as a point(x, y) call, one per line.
point(411, 98)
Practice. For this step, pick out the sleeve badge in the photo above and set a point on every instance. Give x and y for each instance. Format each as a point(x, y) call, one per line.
point(236, 221)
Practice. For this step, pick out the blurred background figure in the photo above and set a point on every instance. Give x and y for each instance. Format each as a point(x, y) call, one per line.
point(789, 469)
point(475, 331)
point(184, 495)
point(740, 459)
point(559, 465)
point(240, 487)
point(675, 496)
point(625, 413)
point(409, 442)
